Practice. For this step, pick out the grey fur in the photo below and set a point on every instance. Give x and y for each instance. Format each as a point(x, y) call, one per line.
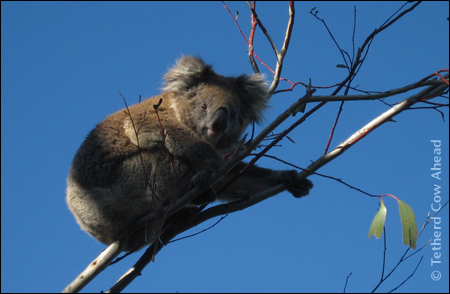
point(129, 165)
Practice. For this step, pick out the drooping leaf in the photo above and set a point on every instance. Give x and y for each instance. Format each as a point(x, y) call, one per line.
point(409, 224)
point(378, 222)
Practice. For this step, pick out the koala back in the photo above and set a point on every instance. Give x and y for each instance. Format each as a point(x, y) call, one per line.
point(112, 182)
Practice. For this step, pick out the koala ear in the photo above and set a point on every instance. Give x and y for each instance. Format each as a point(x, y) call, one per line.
point(188, 72)
point(253, 90)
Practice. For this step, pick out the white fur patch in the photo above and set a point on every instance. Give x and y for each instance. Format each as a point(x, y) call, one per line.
point(130, 132)
point(173, 105)
point(144, 139)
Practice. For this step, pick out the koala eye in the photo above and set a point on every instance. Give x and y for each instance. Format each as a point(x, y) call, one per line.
point(204, 106)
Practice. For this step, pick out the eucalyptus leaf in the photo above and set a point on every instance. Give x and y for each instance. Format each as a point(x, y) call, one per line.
point(378, 222)
point(409, 224)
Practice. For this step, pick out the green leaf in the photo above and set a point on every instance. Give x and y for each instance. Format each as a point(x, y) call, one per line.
point(378, 222)
point(409, 224)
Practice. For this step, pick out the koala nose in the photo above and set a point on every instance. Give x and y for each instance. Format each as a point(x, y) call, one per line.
point(220, 121)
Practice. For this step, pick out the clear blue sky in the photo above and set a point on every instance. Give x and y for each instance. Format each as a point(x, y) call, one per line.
point(63, 65)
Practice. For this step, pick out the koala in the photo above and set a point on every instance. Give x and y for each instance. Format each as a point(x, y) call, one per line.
point(144, 157)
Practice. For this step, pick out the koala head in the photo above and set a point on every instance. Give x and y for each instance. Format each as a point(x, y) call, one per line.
point(217, 108)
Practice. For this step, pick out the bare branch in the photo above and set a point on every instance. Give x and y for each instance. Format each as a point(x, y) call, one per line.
point(386, 94)
point(385, 117)
point(250, 41)
point(263, 28)
point(94, 268)
point(282, 54)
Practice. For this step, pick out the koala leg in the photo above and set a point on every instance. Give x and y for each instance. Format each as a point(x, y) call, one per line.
point(256, 179)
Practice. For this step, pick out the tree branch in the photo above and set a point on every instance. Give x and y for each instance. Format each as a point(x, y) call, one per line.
point(222, 209)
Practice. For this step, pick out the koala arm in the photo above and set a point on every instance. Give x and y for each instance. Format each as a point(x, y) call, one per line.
point(180, 141)
point(184, 143)
point(256, 179)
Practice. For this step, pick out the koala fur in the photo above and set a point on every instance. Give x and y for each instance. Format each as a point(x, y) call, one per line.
point(140, 159)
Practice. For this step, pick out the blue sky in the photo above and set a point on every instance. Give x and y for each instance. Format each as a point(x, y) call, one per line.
point(63, 65)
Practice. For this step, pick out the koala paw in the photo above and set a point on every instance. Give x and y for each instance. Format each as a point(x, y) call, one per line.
point(201, 179)
point(298, 187)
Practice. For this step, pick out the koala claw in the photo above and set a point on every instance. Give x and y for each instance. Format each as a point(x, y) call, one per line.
point(297, 187)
